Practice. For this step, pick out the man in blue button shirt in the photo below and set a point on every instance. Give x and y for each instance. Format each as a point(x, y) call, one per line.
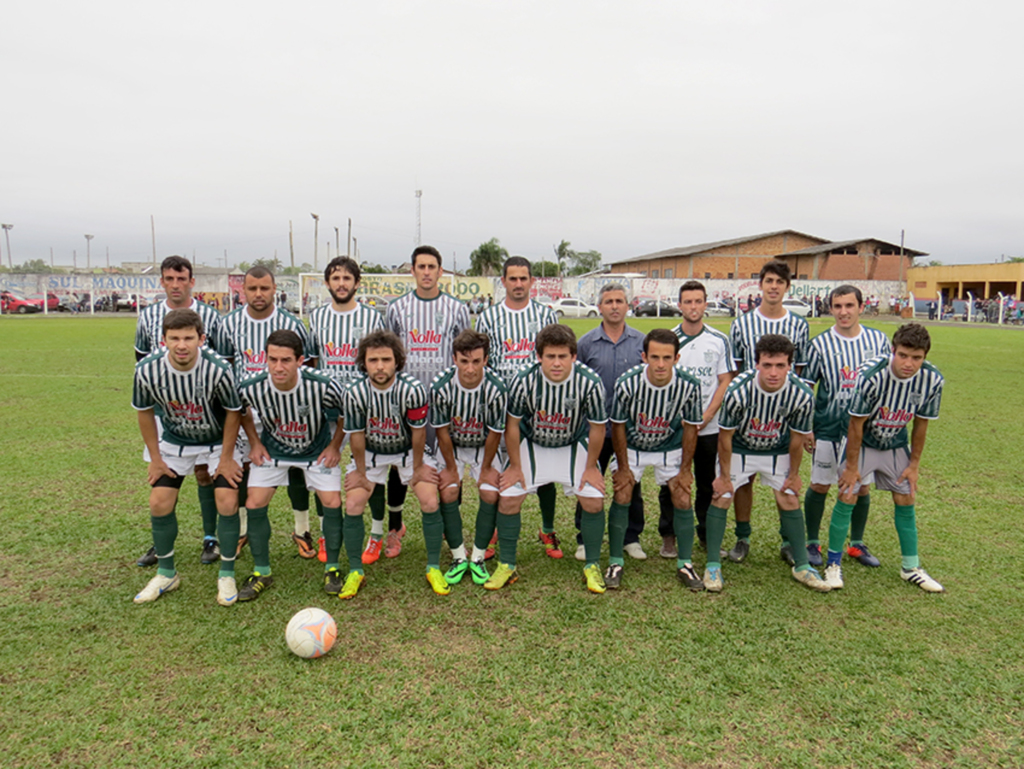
point(612, 349)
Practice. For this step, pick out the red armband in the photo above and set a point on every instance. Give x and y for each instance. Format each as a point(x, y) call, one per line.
point(415, 415)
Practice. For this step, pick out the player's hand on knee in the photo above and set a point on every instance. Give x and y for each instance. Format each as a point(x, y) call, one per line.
point(229, 470)
point(157, 470)
point(447, 476)
point(722, 487)
point(910, 476)
point(792, 484)
point(490, 477)
point(623, 481)
point(848, 481)
point(592, 476)
point(424, 474)
point(356, 480)
point(510, 478)
point(329, 457)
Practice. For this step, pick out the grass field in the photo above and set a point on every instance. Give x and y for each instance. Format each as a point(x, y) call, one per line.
point(766, 674)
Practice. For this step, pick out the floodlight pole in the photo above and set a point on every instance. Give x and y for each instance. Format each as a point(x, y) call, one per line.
point(7, 236)
point(316, 237)
point(88, 251)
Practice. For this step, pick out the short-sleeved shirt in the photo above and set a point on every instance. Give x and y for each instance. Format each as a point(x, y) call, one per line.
point(705, 356)
point(833, 364)
point(762, 420)
point(335, 338)
point(427, 328)
point(513, 335)
point(245, 338)
point(889, 403)
point(610, 359)
point(555, 414)
point(296, 423)
point(193, 403)
point(468, 414)
point(653, 415)
point(386, 416)
point(149, 331)
point(751, 326)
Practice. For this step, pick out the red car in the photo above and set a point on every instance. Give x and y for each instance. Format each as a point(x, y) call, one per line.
point(52, 301)
point(11, 302)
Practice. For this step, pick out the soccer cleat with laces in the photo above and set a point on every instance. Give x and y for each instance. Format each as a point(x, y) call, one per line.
point(305, 544)
point(613, 577)
point(353, 582)
point(920, 578)
point(332, 582)
point(740, 551)
point(552, 547)
point(372, 551)
point(593, 579)
point(689, 579)
point(834, 576)
point(861, 553)
point(254, 585)
point(437, 582)
point(321, 551)
point(149, 559)
point(786, 554)
point(810, 578)
point(503, 575)
point(713, 581)
point(478, 571)
point(456, 571)
point(211, 552)
point(633, 550)
point(227, 591)
point(159, 585)
point(394, 546)
point(814, 555)
point(490, 552)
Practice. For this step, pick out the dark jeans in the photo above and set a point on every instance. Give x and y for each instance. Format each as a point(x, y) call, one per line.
point(635, 526)
point(703, 477)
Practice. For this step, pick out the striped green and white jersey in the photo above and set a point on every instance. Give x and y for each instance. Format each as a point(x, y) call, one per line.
point(654, 415)
point(336, 338)
point(751, 326)
point(149, 331)
point(889, 403)
point(705, 356)
point(763, 420)
point(556, 414)
point(245, 339)
point(427, 328)
point(468, 414)
point(833, 364)
point(513, 335)
point(296, 424)
point(192, 404)
point(386, 416)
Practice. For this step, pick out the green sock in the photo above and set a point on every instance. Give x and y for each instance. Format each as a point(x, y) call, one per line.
point(743, 530)
point(353, 532)
point(838, 527)
point(509, 527)
point(452, 517)
point(716, 533)
point(906, 530)
point(228, 527)
point(485, 525)
point(547, 495)
point(618, 518)
point(332, 528)
point(814, 509)
point(792, 523)
point(433, 535)
point(377, 503)
point(259, 539)
point(165, 532)
point(592, 529)
point(682, 524)
point(298, 492)
point(208, 509)
point(859, 519)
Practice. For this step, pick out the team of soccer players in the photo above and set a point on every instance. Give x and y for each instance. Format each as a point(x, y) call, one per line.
point(514, 404)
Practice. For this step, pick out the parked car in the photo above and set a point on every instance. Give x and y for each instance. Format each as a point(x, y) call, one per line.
point(718, 309)
point(652, 309)
point(12, 302)
point(573, 308)
point(379, 303)
point(797, 307)
point(52, 301)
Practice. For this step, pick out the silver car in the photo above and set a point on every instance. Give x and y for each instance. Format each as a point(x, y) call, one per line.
point(569, 307)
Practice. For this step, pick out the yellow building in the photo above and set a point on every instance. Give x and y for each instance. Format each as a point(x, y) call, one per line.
point(984, 281)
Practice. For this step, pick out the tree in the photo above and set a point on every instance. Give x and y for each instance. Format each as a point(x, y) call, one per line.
point(36, 267)
point(487, 259)
point(374, 269)
point(274, 265)
point(304, 267)
point(584, 262)
point(564, 254)
point(244, 266)
point(933, 263)
point(545, 269)
point(1015, 259)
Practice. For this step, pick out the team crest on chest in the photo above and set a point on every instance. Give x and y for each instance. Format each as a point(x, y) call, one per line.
point(570, 404)
point(357, 333)
point(396, 411)
point(915, 398)
point(439, 318)
point(304, 410)
point(532, 326)
point(709, 356)
point(200, 389)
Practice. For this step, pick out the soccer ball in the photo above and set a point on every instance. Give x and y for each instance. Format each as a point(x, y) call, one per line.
point(311, 633)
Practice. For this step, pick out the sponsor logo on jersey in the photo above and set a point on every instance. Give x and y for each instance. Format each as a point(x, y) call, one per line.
point(426, 341)
point(385, 427)
point(551, 421)
point(653, 424)
point(768, 428)
point(255, 361)
point(849, 378)
point(192, 411)
point(888, 417)
point(293, 430)
point(518, 349)
point(340, 355)
point(468, 425)
point(700, 372)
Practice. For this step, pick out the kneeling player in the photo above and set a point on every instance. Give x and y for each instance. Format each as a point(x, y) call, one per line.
point(550, 404)
point(293, 402)
point(891, 390)
point(766, 413)
point(386, 418)
point(650, 406)
point(195, 391)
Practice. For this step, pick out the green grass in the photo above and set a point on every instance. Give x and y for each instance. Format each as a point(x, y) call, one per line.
point(767, 674)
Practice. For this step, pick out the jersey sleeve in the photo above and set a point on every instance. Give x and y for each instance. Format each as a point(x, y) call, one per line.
point(930, 408)
point(416, 406)
point(865, 396)
point(216, 336)
point(377, 321)
point(594, 403)
point(726, 364)
point(142, 394)
point(801, 419)
point(334, 397)
point(227, 349)
point(308, 348)
point(736, 343)
point(731, 413)
point(802, 343)
point(620, 399)
point(392, 322)
point(494, 412)
point(315, 343)
point(812, 371)
point(354, 410)
point(517, 398)
point(462, 322)
point(548, 317)
point(693, 409)
point(142, 344)
point(226, 391)
point(440, 405)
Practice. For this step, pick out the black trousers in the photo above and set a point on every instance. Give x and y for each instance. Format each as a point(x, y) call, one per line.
point(635, 526)
point(703, 477)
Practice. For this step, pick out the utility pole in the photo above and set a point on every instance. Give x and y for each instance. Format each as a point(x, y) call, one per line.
point(51, 256)
point(348, 243)
point(337, 242)
point(7, 236)
point(108, 257)
point(316, 238)
point(88, 251)
point(152, 227)
point(291, 242)
point(419, 219)
point(355, 249)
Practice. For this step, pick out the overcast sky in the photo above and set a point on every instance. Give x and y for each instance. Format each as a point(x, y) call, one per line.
point(624, 127)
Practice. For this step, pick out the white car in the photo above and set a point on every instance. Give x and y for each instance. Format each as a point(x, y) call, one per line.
point(797, 307)
point(718, 309)
point(573, 308)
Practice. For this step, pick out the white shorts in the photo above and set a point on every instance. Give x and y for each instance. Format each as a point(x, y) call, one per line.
point(274, 473)
point(184, 459)
point(883, 467)
point(665, 463)
point(773, 470)
point(377, 466)
point(474, 458)
point(564, 465)
point(828, 456)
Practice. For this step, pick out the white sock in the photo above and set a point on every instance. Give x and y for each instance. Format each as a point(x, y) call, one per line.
point(243, 522)
point(376, 528)
point(478, 553)
point(459, 553)
point(301, 521)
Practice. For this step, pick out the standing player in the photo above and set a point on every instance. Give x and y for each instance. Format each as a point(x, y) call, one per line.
point(294, 403)
point(246, 330)
point(426, 321)
point(834, 359)
point(655, 414)
point(891, 391)
point(194, 390)
point(467, 410)
point(177, 281)
point(770, 317)
point(704, 353)
point(512, 326)
point(554, 433)
point(386, 418)
point(765, 415)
